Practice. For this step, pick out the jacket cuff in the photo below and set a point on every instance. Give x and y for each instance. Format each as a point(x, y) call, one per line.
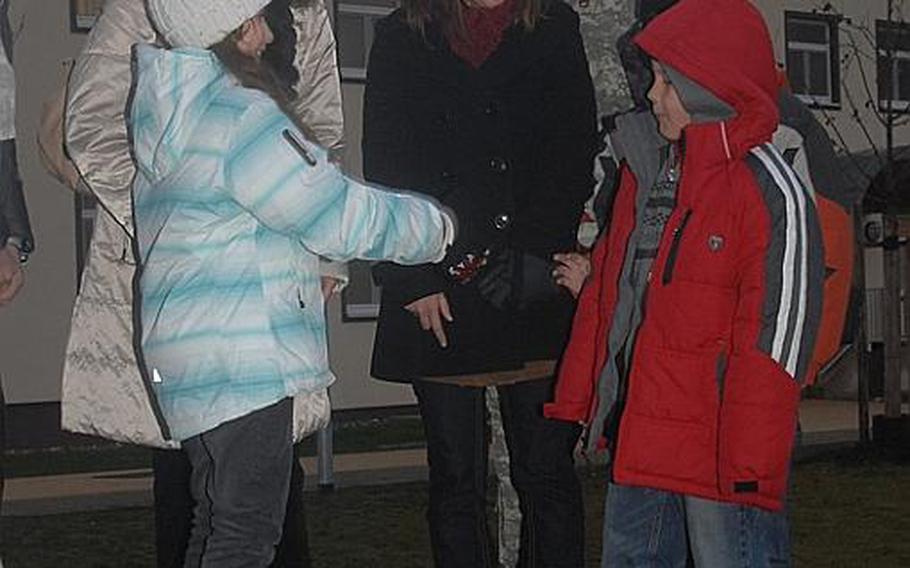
point(449, 232)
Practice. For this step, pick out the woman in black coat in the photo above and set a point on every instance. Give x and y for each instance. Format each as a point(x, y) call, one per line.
point(490, 109)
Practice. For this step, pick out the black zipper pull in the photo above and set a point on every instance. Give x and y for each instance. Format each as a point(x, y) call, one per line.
point(674, 248)
point(299, 146)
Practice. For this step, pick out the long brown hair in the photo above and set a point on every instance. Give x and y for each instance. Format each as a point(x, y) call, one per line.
point(257, 74)
point(449, 15)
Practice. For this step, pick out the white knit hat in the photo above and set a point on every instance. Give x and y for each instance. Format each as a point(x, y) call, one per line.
point(200, 23)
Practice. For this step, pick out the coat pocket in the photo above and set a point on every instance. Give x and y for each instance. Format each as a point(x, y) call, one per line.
point(757, 425)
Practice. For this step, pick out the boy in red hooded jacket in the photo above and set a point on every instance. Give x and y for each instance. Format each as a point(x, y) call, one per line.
point(697, 325)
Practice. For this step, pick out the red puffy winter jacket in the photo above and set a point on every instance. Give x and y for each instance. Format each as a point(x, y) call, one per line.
point(733, 304)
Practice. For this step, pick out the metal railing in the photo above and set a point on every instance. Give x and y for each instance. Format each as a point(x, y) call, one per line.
point(875, 310)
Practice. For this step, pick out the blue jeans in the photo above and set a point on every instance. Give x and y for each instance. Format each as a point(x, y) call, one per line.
point(649, 527)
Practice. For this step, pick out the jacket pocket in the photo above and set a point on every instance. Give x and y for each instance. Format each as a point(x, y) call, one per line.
point(670, 264)
point(756, 429)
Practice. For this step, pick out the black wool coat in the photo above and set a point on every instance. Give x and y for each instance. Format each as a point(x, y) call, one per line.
point(508, 146)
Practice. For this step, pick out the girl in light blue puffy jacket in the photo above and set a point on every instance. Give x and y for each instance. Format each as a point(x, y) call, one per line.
point(233, 208)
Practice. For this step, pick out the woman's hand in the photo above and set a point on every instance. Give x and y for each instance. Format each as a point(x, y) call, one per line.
point(431, 310)
point(571, 271)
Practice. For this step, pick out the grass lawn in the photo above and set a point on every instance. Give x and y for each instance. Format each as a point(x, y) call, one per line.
point(850, 509)
point(393, 432)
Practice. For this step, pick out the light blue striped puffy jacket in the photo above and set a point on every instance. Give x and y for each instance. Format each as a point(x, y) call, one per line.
point(230, 220)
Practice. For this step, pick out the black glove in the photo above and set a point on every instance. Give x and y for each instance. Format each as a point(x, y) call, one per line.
point(535, 282)
point(497, 280)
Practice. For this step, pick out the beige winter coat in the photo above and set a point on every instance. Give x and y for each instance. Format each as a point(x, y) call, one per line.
point(104, 392)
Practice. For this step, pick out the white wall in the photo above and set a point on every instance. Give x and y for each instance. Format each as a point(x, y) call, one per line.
point(33, 330)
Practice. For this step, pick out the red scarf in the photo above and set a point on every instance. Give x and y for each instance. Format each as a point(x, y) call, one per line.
point(484, 28)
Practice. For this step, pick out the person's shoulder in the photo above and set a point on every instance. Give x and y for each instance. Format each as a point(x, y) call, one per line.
point(395, 23)
point(558, 24)
point(245, 109)
point(396, 38)
point(243, 100)
point(558, 14)
point(775, 182)
point(122, 24)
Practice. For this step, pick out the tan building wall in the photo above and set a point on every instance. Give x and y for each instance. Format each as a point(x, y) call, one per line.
point(861, 13)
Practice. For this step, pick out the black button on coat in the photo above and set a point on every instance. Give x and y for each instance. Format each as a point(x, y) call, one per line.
point(513, 139)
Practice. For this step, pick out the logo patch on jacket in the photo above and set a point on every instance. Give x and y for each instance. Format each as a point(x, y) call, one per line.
point(715, 243)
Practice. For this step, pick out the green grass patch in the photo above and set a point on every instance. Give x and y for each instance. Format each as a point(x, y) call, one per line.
point(849, 509)
point(351, 436)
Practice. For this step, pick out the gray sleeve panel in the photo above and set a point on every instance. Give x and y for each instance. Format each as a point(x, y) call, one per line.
point(774, 200)
point(794, 270)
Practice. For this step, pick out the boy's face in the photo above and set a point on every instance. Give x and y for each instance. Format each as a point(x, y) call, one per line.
point(672, 117)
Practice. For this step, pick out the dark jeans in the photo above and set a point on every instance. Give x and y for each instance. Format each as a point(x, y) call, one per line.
point(542, 470)
point(174, 513)
point(2, 439)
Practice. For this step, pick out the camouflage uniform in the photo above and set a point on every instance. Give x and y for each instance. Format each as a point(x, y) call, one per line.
point(508, 525)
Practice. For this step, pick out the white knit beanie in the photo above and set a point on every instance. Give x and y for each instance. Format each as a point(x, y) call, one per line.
point(200, 23)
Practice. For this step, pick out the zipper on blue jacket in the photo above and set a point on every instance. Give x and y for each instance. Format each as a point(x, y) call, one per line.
point(670, 265)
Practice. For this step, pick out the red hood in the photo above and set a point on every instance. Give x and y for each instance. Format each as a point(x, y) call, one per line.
point(724, 46)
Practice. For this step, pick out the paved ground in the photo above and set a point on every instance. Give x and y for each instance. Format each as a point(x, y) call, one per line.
point(823, 422)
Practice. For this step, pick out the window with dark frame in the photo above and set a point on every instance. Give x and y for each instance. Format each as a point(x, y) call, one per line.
point(813, 62)
point(892, 42)
point(84, 14)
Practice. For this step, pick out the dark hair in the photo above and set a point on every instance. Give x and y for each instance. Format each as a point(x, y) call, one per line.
point(280, 54)
point(449, 15)
point(257, 74)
